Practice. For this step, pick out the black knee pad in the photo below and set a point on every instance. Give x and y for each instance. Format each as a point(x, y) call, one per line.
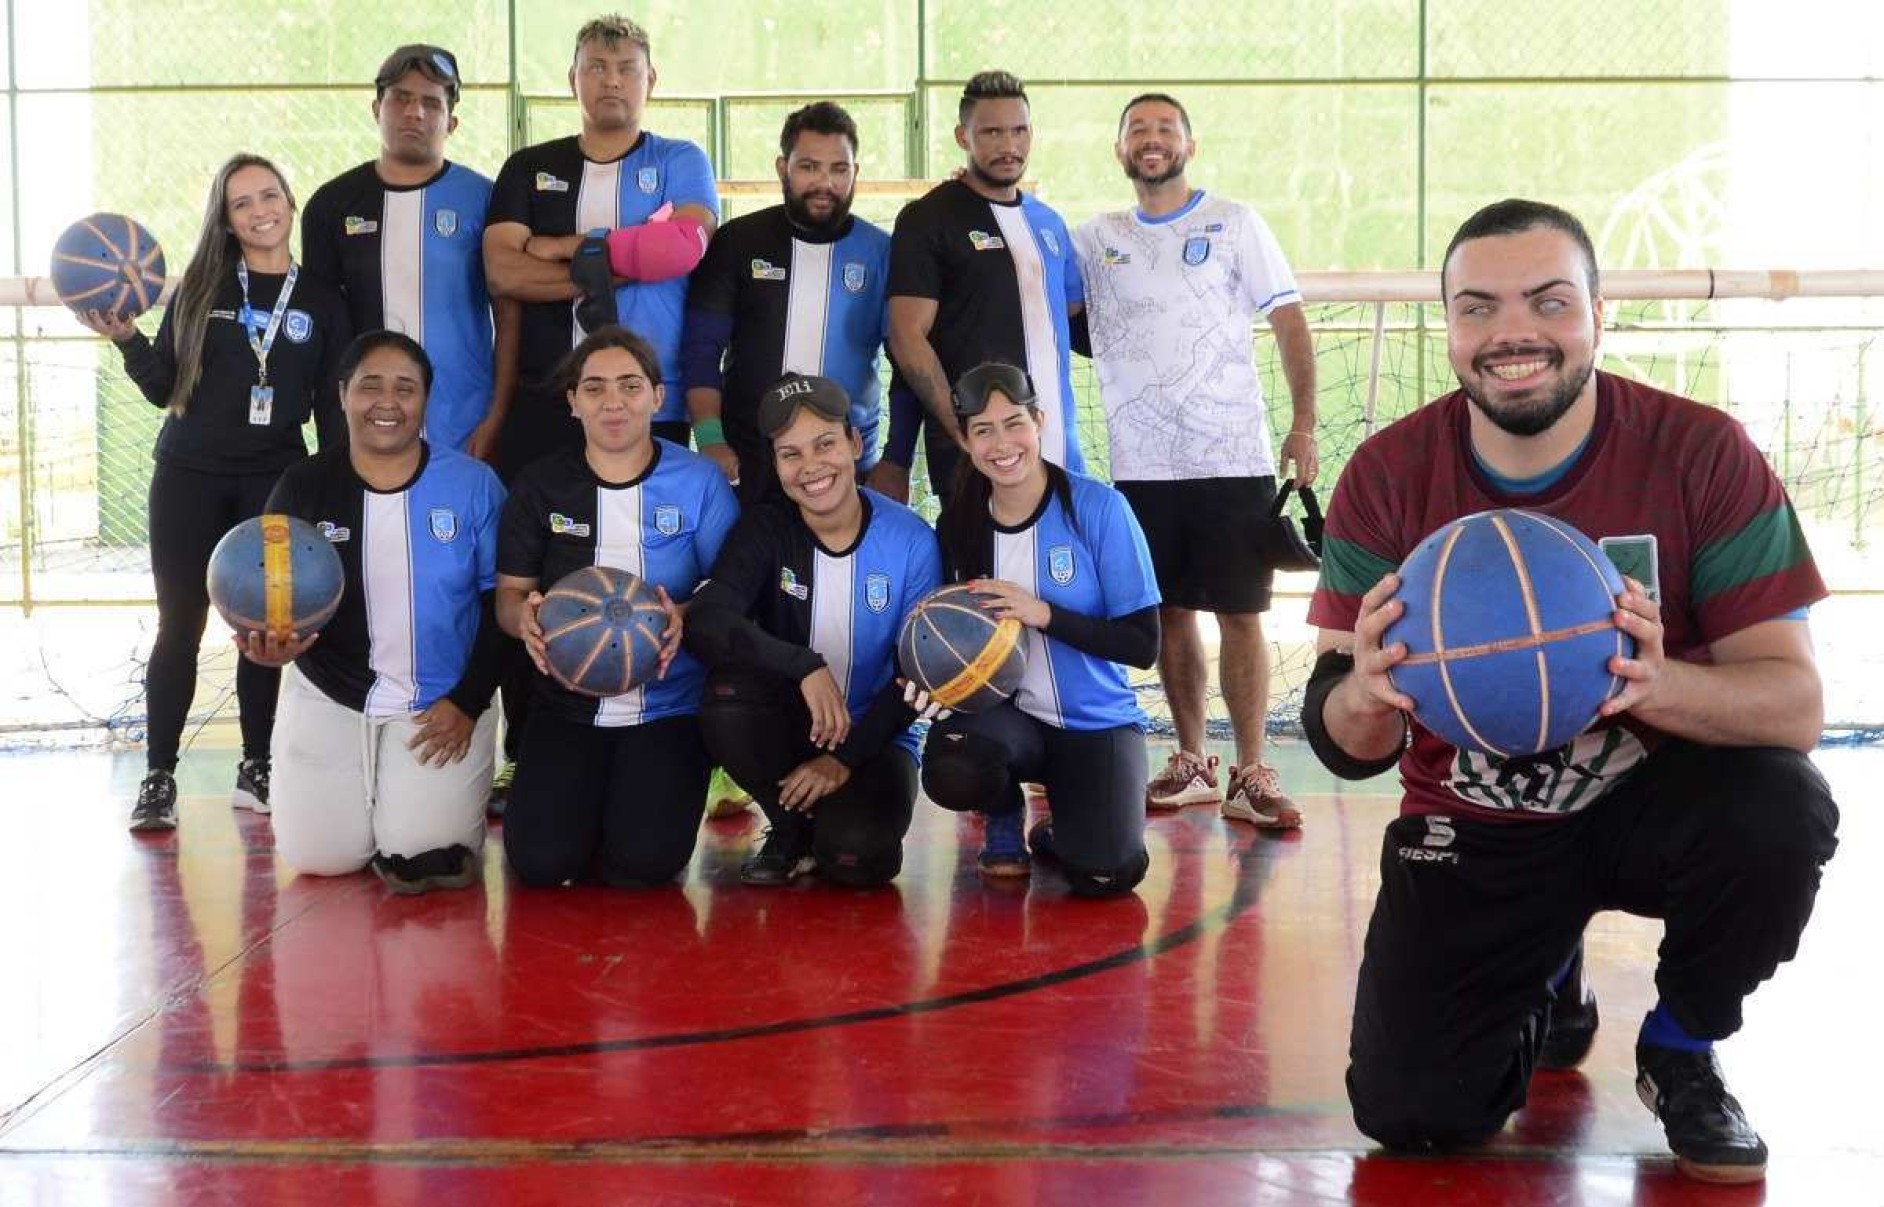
point(729, 706)
point(1114, 882)
point(964, 772)
point(858, 867)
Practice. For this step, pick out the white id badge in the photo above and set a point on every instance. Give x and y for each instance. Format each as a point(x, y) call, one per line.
point(261, 405)
point(1639, 558)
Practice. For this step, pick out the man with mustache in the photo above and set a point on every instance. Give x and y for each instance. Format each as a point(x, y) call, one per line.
point(1172, 289)
point(1690, 800)
point(797, 287)
point(980, 271)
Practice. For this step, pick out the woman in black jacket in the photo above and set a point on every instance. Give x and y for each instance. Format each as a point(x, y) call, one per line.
point(247, 352)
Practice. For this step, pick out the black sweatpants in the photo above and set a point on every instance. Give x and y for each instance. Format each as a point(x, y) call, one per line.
point(619, 805)
point(1095, 782)
point(1475, 918)
point(189, 512)
point(757, 726)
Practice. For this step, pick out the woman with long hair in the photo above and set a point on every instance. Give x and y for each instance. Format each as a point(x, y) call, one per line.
point(246, 353)
point(1062, 554)
point(383, 755)
point(610, 790)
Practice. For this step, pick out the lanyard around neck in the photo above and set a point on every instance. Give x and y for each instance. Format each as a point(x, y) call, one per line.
point(260, 345)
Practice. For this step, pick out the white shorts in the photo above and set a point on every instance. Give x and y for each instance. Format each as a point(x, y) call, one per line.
point(345, 786)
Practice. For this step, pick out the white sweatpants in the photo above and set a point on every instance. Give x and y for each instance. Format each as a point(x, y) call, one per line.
point(345, 785)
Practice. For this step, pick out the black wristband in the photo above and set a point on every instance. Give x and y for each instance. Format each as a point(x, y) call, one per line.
point(1330, 669)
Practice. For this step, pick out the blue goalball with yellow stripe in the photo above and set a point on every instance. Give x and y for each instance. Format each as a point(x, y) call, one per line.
point(958, 652)
point(275, 574)
point(1509, 627)
point(109, 263)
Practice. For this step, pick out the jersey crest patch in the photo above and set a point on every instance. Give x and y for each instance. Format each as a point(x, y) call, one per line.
point(765, 270)
point(1196, 250)
point(855, 275)
point(297, 325)
point(562, 525)
point(876, 592)
point(788, 583)
point(667, 519)
point(1214, 228)
point(1060, 564)
point(445, 222)
point(546, 183)
point(1114, 256)
point(334, 533)
point(983, 241)
point(359, 226)
point(648, 180)
point(444, 523)
point(1051, 240)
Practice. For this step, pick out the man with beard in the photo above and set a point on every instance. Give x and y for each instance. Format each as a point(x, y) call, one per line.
point(980, 271)
point(586, 232)
point(795, 288)
point(1692, 799)
point(1172, 289)
point(401, 238)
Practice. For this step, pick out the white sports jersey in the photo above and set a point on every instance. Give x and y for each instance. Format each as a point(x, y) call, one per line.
point(1171, 302)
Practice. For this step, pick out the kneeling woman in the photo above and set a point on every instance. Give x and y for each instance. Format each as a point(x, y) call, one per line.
point(610, 790)
point(1063, 555)
point(798, 628)
point(383, 742)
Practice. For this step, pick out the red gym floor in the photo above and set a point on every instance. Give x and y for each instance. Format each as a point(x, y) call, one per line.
point(183, 1022)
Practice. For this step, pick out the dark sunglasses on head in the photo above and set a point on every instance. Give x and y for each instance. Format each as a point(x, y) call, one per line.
point(823, 396)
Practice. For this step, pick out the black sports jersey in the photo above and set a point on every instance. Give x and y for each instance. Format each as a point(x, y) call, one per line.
point(780, 600)
point(665, 527)
point(554, 189)
point(410, 258)
point(213, 434)
point(415, 620)
point(772, 297)
point(1002, 276)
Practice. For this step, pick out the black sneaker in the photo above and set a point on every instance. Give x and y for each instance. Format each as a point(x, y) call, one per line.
point(1709, 1133)
point(784, 857)
point(251, 790)
point(500, 789)
point(451, 867)
point(1040, 839)
point(156, 807)
point(397, 873)
point(1573, 1019)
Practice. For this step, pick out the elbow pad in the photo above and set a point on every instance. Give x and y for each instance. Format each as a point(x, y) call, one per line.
point(657, 251)
point(1332, 667)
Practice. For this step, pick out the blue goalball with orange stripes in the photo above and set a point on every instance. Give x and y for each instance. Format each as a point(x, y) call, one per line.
point(959, 652)
point(602, 631)
point(108, 262)
point(275, 574)
point(1509, 630)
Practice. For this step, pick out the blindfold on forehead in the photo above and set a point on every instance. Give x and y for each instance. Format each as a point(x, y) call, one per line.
point(975, 387)
point(820, 395)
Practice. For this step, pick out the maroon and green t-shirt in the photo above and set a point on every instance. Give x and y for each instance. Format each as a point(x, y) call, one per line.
point(1731, 555)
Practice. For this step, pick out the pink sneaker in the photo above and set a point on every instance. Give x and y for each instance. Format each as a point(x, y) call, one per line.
point(1256, 797)
point(1185, 780)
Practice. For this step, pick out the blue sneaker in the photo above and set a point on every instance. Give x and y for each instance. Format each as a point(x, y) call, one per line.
point(1004, 845)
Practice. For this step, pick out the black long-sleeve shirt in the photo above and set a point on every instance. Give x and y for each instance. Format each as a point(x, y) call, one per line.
point(213, 434)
